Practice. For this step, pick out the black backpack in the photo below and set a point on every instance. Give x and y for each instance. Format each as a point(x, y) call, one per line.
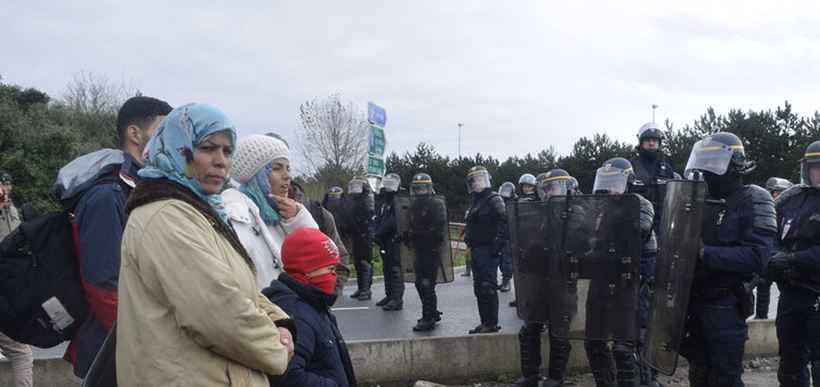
point(42, 300)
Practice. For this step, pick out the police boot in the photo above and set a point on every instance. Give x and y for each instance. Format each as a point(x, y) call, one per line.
point(529, 344)
point(624, 354)
point(490, 306)
point(396, 288)
point(699, 375)
point(505, 284)
point(383, 301)
point(367, 280)
point(429, 301)
point(763, 298)
point(359, 280)
point(387, 295)
point(559, 357)
point(792, 372)
point(513, 303)
point(600, 362)
point(718, 378)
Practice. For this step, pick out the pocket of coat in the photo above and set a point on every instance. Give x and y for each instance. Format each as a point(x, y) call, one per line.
point(238, 375)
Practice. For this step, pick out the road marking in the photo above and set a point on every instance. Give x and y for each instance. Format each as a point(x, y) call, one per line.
point(353, 308)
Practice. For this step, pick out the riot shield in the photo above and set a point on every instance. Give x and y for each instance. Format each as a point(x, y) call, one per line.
point(674, 271)
point(598, 240)
point(422, 226)
point(528, 222)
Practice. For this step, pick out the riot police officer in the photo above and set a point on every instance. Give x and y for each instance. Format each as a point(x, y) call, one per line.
point(796, 268)
point(651, 171)
point(617, 177)
point(428, 222)
point(736, 237)
point(358, 206)
point(775, 186)
point(527, 184)
point(486, 234)
point(507, 193)
point(555, 182)
point(333, 202)
point(385, 235)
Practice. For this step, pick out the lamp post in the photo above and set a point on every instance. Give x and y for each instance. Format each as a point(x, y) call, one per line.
point(459, 139)
point(654, 106)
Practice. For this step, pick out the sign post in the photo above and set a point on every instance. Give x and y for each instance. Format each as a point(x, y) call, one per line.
point(377, 141)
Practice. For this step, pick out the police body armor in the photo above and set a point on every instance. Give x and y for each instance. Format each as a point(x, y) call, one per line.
point(674, 272)
point(652, 186)
point(798, 232)
point(529, 229)
point(422, 225)
point(599, 241)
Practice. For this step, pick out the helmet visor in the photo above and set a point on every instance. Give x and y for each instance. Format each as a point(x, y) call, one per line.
point(505, 191)
point(421, 189)
point(810, 171)
point(391, 184)
point(551, 188)
point(712, 156)
point(355, 187)
point(478, 181)
point(610, 182)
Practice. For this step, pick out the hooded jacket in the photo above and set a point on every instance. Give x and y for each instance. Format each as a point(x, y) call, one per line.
point(320, 357)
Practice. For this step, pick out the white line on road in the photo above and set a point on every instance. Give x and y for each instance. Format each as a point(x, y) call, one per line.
point(353, 308)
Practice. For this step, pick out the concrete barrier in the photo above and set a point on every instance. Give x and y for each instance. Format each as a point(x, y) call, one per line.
point(428, 358)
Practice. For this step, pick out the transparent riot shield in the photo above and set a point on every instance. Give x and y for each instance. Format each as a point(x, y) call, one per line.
point(598, 240)
point(674, 271)
point(422, 226)
point(528, 222)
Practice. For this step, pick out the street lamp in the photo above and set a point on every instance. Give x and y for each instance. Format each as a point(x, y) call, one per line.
point(654, 106)
point(459, 139)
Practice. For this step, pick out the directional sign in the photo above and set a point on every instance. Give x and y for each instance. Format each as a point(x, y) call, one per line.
point(377, 140)
point(375, 166)
point(376, 114)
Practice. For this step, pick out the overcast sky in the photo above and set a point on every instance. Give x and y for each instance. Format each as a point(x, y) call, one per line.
point(521, 76)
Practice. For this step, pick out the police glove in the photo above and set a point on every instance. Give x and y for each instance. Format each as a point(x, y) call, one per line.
point(497, 246)
point(780, 265)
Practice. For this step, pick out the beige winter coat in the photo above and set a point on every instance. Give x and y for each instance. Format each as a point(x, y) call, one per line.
point(190, 313)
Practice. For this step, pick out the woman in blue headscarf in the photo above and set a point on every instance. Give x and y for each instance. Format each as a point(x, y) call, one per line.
point(190, 312)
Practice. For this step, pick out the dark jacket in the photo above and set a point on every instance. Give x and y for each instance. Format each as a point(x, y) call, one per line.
point(99, 223)
point(320, 357)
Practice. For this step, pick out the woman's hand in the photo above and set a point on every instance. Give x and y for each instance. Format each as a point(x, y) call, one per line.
point(287, 340)
point(288, 207)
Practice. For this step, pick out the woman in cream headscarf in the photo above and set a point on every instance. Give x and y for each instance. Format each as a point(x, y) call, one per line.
point(190, 312)
point(260, 210)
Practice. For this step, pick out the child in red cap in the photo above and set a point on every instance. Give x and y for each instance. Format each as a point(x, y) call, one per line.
point(309, 259)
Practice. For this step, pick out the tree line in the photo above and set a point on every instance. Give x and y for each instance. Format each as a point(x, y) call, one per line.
point(39, 134)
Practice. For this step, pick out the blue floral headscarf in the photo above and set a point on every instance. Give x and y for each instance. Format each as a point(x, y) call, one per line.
point(170, 151)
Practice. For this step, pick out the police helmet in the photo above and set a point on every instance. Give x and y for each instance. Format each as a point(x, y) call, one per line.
point(574, 183)
point(614, 177)
point(716, 153)
point(478, 179)
point(528, 179)
point(553, 183)
point(392, 182)
point(357, 185)
point(777, 184)
point(422, 184)
point(507, 190)
point(650, 130)
point(811, 161)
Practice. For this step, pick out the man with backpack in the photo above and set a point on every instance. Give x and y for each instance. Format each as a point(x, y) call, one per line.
point(99, 221)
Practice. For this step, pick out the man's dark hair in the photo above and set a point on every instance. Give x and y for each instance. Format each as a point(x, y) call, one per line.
point(140, 111)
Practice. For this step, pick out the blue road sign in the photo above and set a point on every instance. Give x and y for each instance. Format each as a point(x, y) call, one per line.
point(376, 114)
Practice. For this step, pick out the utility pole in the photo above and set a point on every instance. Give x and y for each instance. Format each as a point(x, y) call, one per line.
point(459, 139)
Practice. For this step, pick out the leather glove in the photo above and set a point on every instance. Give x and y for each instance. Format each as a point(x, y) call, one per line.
point(780, 265)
